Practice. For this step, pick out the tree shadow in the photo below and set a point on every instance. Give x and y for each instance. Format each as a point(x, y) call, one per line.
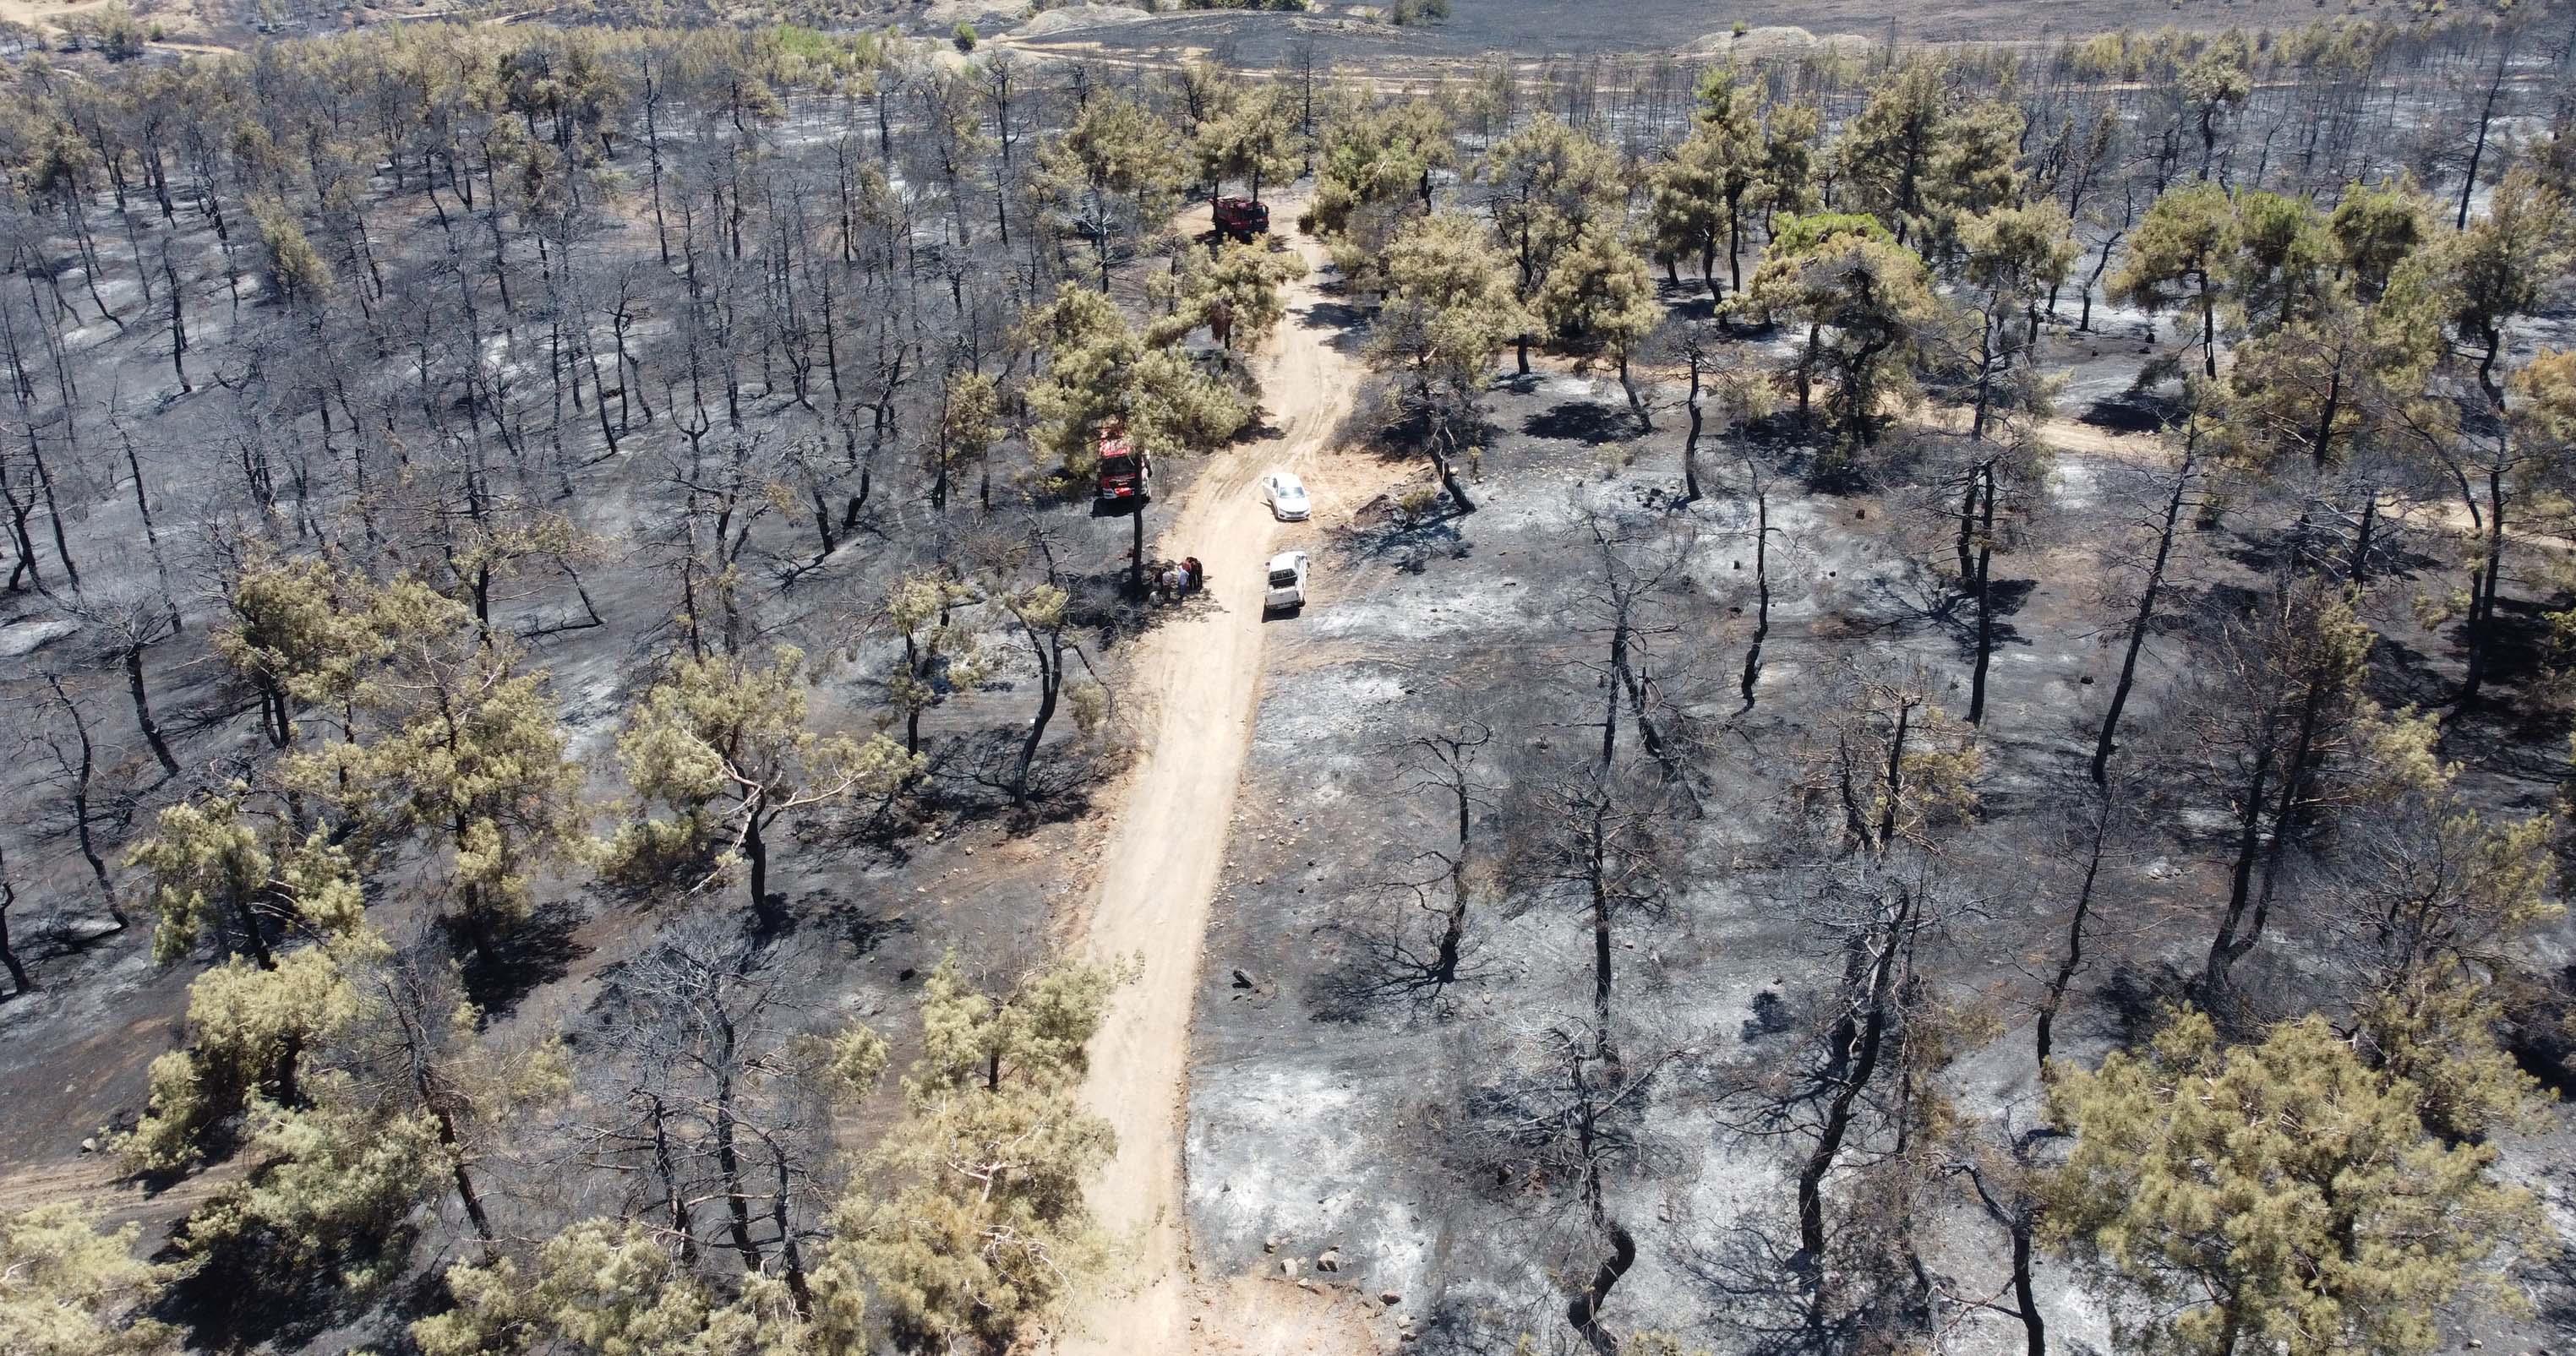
point(2521, 740)
point(2510, 728)
point(1581, 421)
point(970, 774)
point(421, 1294)
point(1347, 320)
point(2132, 413)
point(2391, 558)
point(1763, 1286)
point(2520, 642)
point(2234, 600)
point(1408, 546)
point(1102, 602)
point(1261, 428)
point(1771, 1017)
point(1376, 968)
point(537, 952)
point(70, 937)
point(1687, 301)
point(862, 926)
point(2399, 674)
point(2558, 1311)
point(239, 1298)
point(2138, 993)
point(1923, 601)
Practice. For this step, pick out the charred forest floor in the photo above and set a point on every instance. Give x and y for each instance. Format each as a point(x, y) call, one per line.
point(1357, 37)
point(1352, 36)
point(1333, 1105)
point(871, 907)
point(1347, 1107)
point(1299, 1090)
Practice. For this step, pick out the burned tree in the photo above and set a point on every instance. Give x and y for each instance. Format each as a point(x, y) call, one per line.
point(1444, 764)
point(1630, 607)
point(19, 980)
point(2281, 703)
point(2150, 592)
point(1854, 1113)
point(1899, 771)
point(1602, 839)
point(706, 1120)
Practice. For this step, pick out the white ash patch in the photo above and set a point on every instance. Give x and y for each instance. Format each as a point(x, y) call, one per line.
point(27, 637)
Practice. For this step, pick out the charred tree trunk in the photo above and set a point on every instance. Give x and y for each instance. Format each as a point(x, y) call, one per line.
point(1136, 541)
point(458, 1173)
point(2070, 961)
point(1887, 817)
point(178, 326)
point(1761, 588)
point(1985, 604)
point(2034, 1327)
point(1636, 401)
point(143, 711)
point(1690, 440)
point(1985, 376)
point(675, 1200)
point(1049, 650)
point(2358, 572)
point(81, 774)
point(1441, 466)
point(1450, 754)
point(791, 1257)
point(1618, 667)
point(2208, 329)
point(2084, 322)
point(18, 979)
point(1870, 1026)
point(2482, 594)
point(2238, 930)
point(729, 1155)
point(1596, 872)
point(2106, 742)
point(1967, 539)
point(2020, 1217)
point(755, 851)
point(2486, 121)
point(1584, 1310)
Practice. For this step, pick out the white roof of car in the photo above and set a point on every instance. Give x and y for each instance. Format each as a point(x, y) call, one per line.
point(1286, 480)
point(1287, 560)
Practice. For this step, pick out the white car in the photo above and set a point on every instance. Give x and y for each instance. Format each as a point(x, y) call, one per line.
point(1287, 591)
point(1286, 496)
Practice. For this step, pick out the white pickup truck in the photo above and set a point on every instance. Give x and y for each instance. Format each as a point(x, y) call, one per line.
point(1287, 591)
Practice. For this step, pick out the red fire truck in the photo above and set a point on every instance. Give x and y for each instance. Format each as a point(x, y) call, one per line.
point(1241, 218)
point(1126, 474)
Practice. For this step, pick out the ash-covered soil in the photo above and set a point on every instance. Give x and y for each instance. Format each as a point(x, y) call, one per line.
point(871, 913)
point(1358, 36)
point(1356, 1124)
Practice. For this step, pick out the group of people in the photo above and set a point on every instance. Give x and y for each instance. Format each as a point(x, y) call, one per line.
point(1171, 581)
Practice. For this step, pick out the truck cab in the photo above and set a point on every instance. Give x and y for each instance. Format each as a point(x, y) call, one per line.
point(1286, 590)
point(1126, 474)
point(1241, 218)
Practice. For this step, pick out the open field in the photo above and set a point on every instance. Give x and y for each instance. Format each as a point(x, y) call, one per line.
point(1553, 30)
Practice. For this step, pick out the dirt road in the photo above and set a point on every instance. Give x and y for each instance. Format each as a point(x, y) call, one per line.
point(1199, 679)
